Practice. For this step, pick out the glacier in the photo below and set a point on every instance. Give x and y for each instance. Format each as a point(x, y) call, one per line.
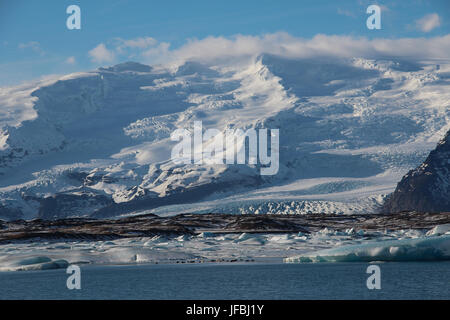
point(98, 143)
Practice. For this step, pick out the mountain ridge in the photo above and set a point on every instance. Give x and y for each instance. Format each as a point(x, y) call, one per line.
point(98, 143)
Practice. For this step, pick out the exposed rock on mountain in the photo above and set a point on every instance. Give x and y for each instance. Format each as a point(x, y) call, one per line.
point(426, 188)
point(194, 224)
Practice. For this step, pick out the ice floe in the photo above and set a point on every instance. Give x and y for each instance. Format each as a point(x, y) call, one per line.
point(419, 249)
point(325, 245)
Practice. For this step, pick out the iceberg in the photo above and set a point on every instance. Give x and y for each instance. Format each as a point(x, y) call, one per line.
point(419, 249)
point(88, 144)
point(35, 263)
point(439, 230)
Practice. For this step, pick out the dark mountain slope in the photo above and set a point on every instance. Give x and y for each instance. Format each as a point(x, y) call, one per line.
point(426, 188)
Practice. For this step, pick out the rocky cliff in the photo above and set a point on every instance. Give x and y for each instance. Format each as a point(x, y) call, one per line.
point(426, 188)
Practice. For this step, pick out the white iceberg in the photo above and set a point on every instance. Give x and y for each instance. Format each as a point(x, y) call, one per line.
point(438, 230)
point(35, 263)
point(419, 249)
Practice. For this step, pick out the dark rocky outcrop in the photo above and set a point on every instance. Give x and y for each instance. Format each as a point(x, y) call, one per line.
point(194, 224)
point(426, 188)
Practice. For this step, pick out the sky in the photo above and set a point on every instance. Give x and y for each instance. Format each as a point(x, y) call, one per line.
point(35, 41)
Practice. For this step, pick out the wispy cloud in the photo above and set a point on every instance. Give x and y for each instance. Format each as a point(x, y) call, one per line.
point(344, 12)
point(384, 8)
point(33, 45)
point(137, 48)
point(213, 49)
point(321, 45)
point(140, 43)
point(158, 52)
point(70, 60)
point(101, 54)
point(428, 22)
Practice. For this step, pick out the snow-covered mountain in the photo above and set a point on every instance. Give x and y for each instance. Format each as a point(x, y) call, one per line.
point(427, 187)
point(98, 143)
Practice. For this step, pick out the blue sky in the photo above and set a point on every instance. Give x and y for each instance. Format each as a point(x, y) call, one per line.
point(34, 40)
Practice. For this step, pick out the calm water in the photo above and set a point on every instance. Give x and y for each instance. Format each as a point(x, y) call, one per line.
point(234, 281)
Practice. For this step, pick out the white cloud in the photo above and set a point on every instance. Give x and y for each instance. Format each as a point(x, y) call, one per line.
point(344, 12)
point(70, 60)
point(428, 22)
point(384, 8)
point(128, 48)
point(101, 54)
point(123, 46)
point(223, 49)
point(140, 43)
point(33, 45)
point(321, 45)
point(157, 53)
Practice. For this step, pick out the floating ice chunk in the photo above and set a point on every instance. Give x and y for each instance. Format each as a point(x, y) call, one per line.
point(301, 239)
point(140, 258)
point(57, 264)
point(350, 231)
point(209, 249)
point(183, 237)
point(419, 249)
point(284, 238)
point(280, 237)
point(148, 243)
point(224, 238)
point(155, 239)
point(106, 244)
point(438, 230)
point(411, 233)
point(36, 263)
point(33, 260)
point(253, 241)
point(206, 234)
point(326, 231)
point(61, 247)
point(243, 236)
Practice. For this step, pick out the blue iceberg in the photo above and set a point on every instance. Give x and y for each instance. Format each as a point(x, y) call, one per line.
point(418, 249)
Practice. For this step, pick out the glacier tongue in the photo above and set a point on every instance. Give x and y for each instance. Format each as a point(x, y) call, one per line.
point(97, 143)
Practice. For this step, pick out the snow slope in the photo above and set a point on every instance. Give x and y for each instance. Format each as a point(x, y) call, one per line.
point(97, 143)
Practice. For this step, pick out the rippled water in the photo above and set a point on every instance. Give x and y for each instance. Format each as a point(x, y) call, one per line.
point(406, 280)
